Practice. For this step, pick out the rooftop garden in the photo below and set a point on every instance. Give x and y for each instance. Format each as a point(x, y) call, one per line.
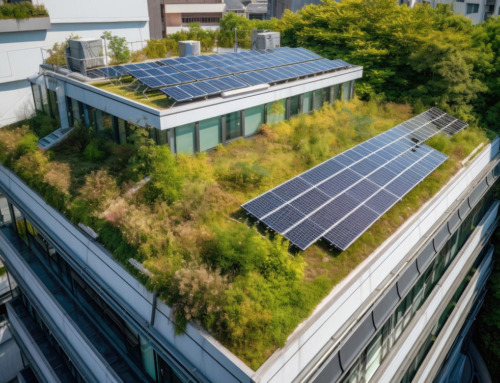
point(208, 261)
point(22, 10)
point(124, 88)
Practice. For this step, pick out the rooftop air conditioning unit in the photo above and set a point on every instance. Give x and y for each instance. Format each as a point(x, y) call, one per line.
point(85, 54)
point(189, 48)
point(266, 40)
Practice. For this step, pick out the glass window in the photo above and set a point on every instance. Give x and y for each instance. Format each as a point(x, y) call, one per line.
point(472, 8)
point(276, 111)
point(254, 118)
point(148, 358)
point(336, 92)
point(294, 106)
point(347, 90)
point(210, 133)
point(45, 100)
point(37, 97)
point(161, 137)
point(185, 138)
point(53, 103)
point(326, 94)
point(318, 99)
point(307, 102)
point(233, 125)
point(122, 131)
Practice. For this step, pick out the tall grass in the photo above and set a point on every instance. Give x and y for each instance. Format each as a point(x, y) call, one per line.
point(208, 262)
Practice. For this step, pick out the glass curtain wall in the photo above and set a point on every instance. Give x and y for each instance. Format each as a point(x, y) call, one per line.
point(210, 133)
point(376, 351)
point(185, 139)
point(233, 125)
point(294, 106)
point(307, 102)
point(276, 111)
point(254, 118)
point(318, 99)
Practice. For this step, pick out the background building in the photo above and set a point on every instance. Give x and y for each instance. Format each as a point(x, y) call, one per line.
point(22, 44)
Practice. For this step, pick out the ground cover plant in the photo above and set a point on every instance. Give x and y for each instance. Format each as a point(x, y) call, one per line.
point(208, 260)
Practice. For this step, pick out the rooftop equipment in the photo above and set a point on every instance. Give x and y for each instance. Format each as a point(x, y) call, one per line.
point(189, 48)
point(84, 54)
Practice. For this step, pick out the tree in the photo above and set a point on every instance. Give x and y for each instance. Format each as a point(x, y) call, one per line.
point(120, 53)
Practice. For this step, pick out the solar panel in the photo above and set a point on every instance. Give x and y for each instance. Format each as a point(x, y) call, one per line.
point(339, 199)
point(176, 93)
point(152, 82)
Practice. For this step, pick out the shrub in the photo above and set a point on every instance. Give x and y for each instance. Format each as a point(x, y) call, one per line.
point(239, 250)
point(120, 53)
point(99, 189)
point(245, 175)
point(22, 10)
point(43, 125)
point(197, 293)
point(166, 179)
point(27, 144)
point(92, 152)
point(155, 49)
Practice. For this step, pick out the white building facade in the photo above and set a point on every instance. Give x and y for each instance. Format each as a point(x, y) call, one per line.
point(23, 43)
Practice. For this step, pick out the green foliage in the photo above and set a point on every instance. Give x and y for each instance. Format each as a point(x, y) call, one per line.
point(119, 51)
point(195, 32)
point(43, 125)
point(92, 152)
point(22, 10)
point(155, 49)
point(239, 251)
point(166, 180)
point(3, 271)
point(244, 175)
point(57, 55)
point(27, 144)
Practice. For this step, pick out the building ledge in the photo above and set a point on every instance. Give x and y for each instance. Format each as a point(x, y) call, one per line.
point(25, 25)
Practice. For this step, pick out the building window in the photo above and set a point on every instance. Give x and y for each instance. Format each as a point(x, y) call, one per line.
point(336, 92)
point(233, 125)
point(254, 118)
point(294, 106)
point(276, 111)
point(307, 102)
point(185, 138)
point(326, 93)
point(210, 133)
point(318, 99)
point(472, 8)
point(347, 91)
point(37, 97)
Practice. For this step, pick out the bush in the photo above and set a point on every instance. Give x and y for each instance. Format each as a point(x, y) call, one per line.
point(27, 144)
point(22, 10)
point(239, 250)
point(92, 152)
point(43, 125)
point(166, 179)
point(120, 53)
point(155, 49)
point(244, 175)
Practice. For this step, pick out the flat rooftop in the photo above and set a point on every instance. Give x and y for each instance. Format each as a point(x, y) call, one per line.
point(208, 259)
point(164, 83)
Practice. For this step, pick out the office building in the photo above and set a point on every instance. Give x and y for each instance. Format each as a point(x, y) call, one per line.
point(77, 314)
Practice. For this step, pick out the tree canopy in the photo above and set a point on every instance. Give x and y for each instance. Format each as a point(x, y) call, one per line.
point(424, 56)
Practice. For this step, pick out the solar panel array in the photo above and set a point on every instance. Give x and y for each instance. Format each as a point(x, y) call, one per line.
point(187, 78)
point(339, 199)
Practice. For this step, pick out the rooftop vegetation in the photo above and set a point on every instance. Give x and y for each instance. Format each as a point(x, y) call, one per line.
point(22, 10)
point(124, 88)
point(208, 261)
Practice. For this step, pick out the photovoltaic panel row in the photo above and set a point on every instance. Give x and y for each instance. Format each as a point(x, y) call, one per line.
point(204, 88)
point(360, 184)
